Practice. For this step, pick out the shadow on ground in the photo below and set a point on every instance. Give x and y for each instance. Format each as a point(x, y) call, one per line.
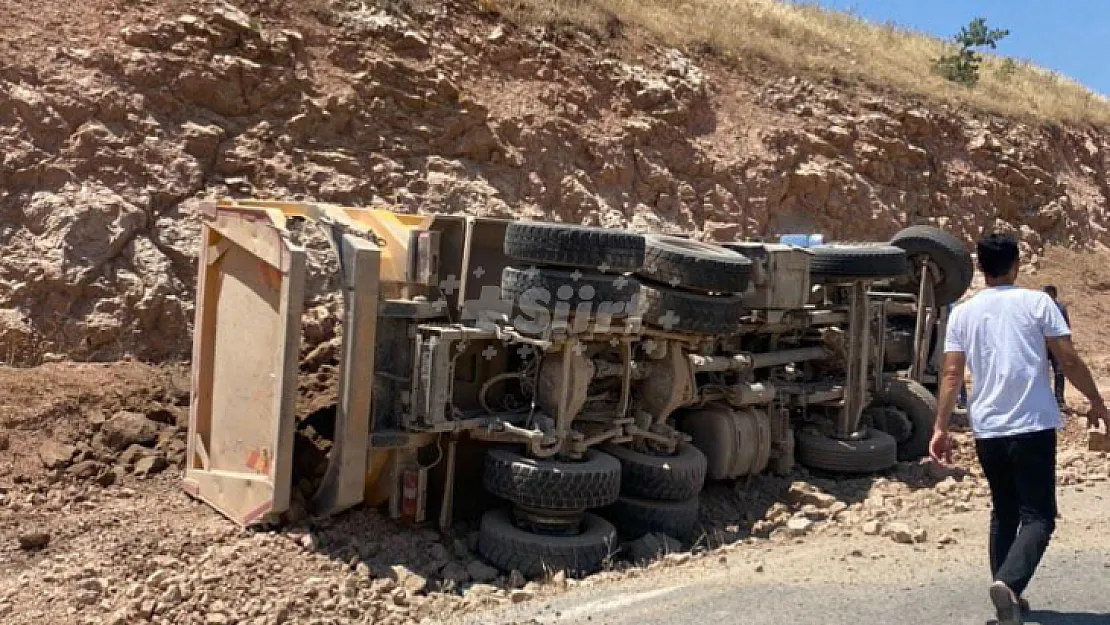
point(1052, 617)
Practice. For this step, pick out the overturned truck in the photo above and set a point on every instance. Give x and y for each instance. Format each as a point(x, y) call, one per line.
point(575, 386)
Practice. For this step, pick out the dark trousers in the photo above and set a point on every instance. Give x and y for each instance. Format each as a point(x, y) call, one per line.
point(1021, 471)
point(1057, 379)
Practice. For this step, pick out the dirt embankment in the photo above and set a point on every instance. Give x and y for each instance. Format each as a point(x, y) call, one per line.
point(117, 118)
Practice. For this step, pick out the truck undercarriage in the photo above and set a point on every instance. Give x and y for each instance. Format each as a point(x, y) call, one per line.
point(601, 375)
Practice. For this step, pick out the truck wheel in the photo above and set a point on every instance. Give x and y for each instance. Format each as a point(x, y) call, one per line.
point(591, 248)
point(552, 484)
point(845, 263)
point(877, 452)
point(510, 548)
point(694, 265)
point(680, 311)
point(916, 408)
point(543, 289)
point(669, 478)
point(635, 517)
point(951, 258)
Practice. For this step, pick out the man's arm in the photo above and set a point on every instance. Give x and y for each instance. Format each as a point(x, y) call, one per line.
point(1077, 372)
point(952, 377)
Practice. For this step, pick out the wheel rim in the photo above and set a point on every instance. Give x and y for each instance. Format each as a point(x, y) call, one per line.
point(547, 522)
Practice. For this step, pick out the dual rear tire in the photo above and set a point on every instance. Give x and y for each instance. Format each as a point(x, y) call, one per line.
point(634, 492)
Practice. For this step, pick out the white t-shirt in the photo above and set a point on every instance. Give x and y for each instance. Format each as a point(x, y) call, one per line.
point(1002, 330)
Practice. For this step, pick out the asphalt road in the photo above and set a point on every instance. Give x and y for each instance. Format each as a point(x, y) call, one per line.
point(1069, 591)
point(911, 587)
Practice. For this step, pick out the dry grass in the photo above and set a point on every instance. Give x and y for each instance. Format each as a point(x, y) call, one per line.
point(807, 38)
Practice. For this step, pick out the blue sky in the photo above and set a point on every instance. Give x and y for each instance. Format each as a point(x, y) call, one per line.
point(1069, 36)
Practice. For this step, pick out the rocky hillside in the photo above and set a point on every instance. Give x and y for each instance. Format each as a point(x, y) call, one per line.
point(117, 118)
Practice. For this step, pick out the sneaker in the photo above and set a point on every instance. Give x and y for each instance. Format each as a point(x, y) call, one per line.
point(1024, 606)
point(1005, 604)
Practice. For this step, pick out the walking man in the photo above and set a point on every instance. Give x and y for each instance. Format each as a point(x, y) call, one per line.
point(1057, 372)
point(1004, 334)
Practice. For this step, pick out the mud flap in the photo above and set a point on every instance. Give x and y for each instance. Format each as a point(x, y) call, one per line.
point(242, 417)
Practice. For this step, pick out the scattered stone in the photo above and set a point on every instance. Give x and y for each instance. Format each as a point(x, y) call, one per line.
point(481, 590)
point(132, 454)
point(678, 558)
point(559, 580)
point(799, 526)
point(899, 533)
point(412, 583)
point(150, 465)
point(85, 470)
point(86, 597)
point(157, 578)
point(308, 541)
point(106, 479)
point(521, 595)
point(129, 428)
point(217, 618)
point(920, 535)
point(34, 541)
point(412, 42)
point(172, 595)
point(93, 584)
point(872, 528)
point(231, 17)
point(55, 455)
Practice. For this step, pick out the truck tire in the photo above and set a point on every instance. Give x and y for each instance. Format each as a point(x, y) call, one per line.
point(845, 263)
point(667, 478)
point(948, 254)
point(510, 548)
point(543, 289)
point(635, 517)
point(680, 311)
point(591, 248)
point(552, 484)
point(694, 265)
point(877, 452)
point(920, 409)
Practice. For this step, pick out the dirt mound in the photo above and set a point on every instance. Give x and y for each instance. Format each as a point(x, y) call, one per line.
point(116, 120)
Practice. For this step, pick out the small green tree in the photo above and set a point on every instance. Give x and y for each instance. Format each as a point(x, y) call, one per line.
point(963, 66)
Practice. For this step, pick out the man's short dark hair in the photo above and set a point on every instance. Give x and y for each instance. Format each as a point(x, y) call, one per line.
point(1051, 290)
point(998, 252)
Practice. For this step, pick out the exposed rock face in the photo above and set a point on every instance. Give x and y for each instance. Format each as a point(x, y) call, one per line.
point(108, 150)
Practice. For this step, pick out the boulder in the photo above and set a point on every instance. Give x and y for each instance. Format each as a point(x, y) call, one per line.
point(129, 428)
point(55, 455)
